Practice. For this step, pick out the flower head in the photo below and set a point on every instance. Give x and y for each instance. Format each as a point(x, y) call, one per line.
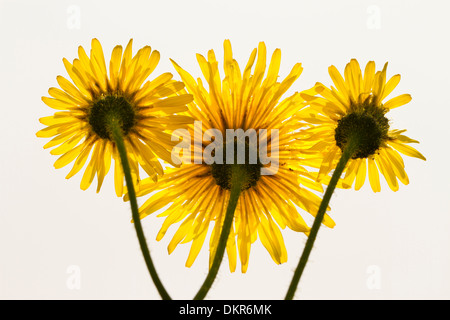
point(146, 112)
point(354, 109)
point(197, 192)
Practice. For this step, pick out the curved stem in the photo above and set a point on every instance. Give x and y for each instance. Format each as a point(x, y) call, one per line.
point(348, 152)
point(236, 183)
point(118, 139)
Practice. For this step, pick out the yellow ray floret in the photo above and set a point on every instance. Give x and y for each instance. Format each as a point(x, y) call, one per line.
point(361, 94)
point(194, 198)
point(147, 111)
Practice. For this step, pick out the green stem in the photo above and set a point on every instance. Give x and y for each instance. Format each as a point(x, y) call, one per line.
point(236, 183)
point(118, 139)
point(348, 152)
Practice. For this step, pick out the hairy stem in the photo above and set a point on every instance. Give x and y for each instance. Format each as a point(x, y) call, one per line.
point(348, 152)
point(236, 183)
point(117, 135)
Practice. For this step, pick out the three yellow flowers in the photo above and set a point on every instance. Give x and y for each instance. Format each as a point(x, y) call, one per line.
point(313, 128)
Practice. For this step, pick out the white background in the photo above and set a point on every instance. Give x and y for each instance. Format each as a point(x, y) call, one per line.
point(389, 245)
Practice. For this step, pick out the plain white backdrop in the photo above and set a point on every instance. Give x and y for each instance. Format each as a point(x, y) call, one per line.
point(59, 242)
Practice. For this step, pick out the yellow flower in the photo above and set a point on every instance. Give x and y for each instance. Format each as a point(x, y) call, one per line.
point(197, 193)
point(355, 105)
point(146, 112)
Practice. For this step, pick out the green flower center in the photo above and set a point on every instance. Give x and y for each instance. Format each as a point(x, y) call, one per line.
point(111, 108)
point(367, 124)
point(251, 172)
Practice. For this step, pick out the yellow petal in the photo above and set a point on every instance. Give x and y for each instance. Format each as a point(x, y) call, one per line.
point(61, 137)
point(338, 80)
point(260, 66)
point(379, 83)
point(98, 63)
point(104, 163)
point(70, 88)
point(390, 86)
point(405, 149)
point(57, 118)
point(173, 104)
point(81, 159)
point(195, 247)
point(83, 65)
point(227, 58)
point(274, 68)
point(147, 91)
point(374, 177)
point(61, 95)
point(91, 169)
point(398, 101)
point(369, 74)
point(353, 79)
point(361, 174)
point(168, 89)
point(272, 240)
point(58, 129)
point(386, 170)
point(126, 58)
point(180, 233)
point(397, 164)
point(58, 104)
point(350, 173)
point(68, 145)
point(78, 80)
point(114, 66)
point(118, 174)
point(68, 157)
